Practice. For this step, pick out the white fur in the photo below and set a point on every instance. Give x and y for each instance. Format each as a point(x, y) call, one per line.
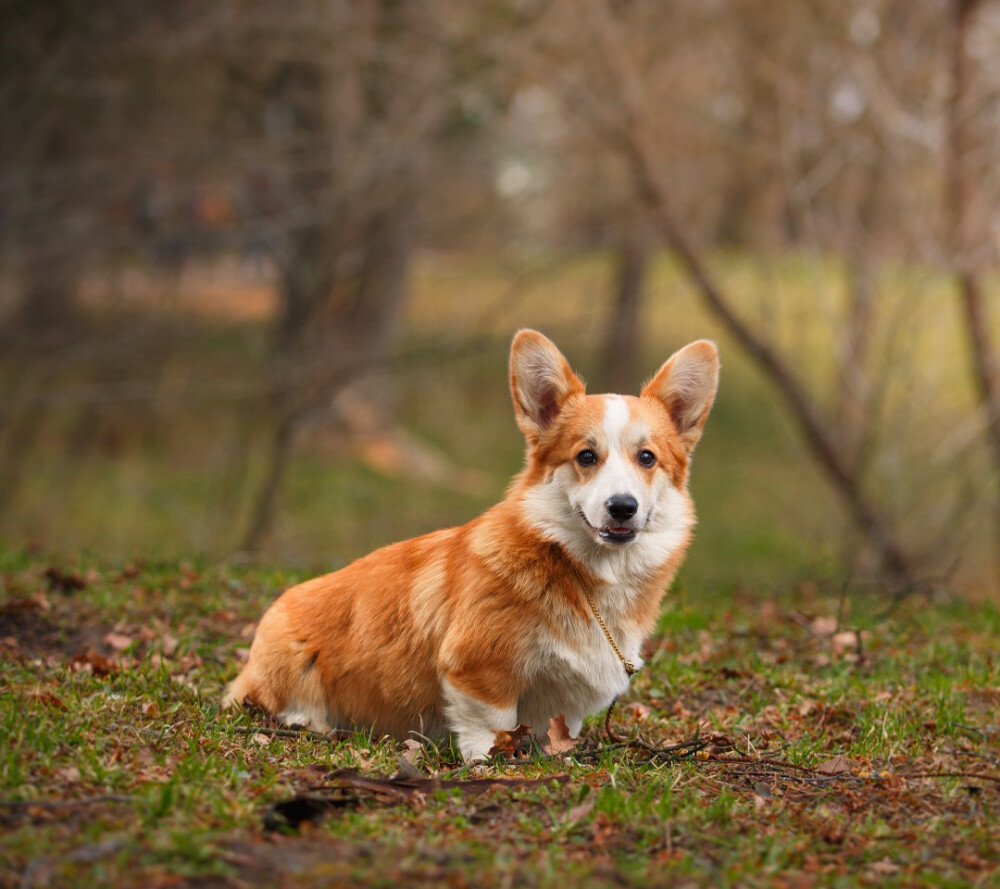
point(558, 506)
point(576, 679)
point(617, 474)
point(475, 722)
point(584, 675)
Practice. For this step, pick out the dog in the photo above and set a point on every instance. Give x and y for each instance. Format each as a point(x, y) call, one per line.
point(533, 610)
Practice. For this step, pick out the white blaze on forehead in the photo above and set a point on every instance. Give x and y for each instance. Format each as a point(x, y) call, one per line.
point(619, 420)
point(616, 417)
point(617, 474)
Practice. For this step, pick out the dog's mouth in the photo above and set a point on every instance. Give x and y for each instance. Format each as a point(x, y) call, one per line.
point(611, 533)
point(616, 535)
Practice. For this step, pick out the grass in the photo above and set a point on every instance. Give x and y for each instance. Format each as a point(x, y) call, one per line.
point(846, 745)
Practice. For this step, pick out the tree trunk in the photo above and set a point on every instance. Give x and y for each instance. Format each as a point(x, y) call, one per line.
point(620, 372)
point(327, 348)
point(959, 187)
point(852, 414)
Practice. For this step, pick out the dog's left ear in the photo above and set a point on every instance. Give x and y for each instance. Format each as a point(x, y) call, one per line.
point(686, 385)
point(541, 381)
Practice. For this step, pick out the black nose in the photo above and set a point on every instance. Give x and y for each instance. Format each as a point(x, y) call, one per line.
point(622, 507)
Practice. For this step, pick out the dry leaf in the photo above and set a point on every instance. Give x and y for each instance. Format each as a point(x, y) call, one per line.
point(412, 749)
point(824, 626)
point(512, 743)
point(117, 641)
point(836, 765)
point(560, 740)
point(639, 711)
point(885, 868)
point(47, 698)
point(70, 774)
point(91, 660)
point(680, 711)
point(168, 645)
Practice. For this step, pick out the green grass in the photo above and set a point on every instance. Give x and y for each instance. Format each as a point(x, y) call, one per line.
point(135, 778)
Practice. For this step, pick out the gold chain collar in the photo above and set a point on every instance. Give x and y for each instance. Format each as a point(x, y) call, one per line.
point(630, 668)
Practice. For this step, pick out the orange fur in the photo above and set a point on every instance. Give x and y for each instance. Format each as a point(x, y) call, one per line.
point(489, 623)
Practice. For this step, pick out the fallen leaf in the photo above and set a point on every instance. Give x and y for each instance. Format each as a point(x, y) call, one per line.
point(836, 765)
point(169, 645)
point(117, 641)
point(639, 711)
point(845, 640)
point(885, 868)
point(680, 711)
point(512, 743)
point(560, 740)
point(716, 744)
point(90, 660)
point(824, 626)
point(70, 774)
point(412, 749)
point(47, 698)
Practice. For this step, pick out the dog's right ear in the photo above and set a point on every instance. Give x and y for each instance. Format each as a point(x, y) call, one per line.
point(541, 381)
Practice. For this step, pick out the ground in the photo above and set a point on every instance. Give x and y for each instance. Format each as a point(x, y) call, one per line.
point(834, 738)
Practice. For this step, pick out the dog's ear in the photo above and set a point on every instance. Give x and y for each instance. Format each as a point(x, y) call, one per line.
point(686, 385)
point(541, 381)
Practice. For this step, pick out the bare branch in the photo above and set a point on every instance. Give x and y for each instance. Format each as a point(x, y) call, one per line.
point(634, 142)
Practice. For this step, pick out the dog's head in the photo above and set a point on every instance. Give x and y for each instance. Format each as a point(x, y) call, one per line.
point(610, 471)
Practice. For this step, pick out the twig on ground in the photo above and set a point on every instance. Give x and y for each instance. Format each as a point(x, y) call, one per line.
point(65, 803)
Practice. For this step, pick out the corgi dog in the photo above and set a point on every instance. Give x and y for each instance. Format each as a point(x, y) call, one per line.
point(535, 609)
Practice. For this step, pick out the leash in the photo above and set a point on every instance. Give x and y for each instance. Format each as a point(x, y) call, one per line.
point(630, 668)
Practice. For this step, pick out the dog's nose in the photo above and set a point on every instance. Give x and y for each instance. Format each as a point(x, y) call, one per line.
point(622, 507)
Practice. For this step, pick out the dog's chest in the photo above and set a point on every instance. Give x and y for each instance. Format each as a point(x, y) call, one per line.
point(576, 671)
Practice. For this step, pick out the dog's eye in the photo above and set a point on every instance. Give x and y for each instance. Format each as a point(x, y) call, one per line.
point(586, 457)
point(647, 458)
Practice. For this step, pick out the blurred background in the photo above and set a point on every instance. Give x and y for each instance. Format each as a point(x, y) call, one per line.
point(260, 264)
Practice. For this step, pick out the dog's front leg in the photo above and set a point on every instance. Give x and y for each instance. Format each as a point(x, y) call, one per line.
point(474, 721)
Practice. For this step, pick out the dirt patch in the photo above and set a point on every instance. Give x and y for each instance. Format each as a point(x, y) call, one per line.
point(30, 629)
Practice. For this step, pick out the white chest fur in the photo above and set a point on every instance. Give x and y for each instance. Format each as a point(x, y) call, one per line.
point(577, 672)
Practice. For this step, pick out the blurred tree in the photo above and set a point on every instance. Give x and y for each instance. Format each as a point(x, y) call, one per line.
point(968, 246)
point(302, 133)
point(326, 142)
point(819, 136)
